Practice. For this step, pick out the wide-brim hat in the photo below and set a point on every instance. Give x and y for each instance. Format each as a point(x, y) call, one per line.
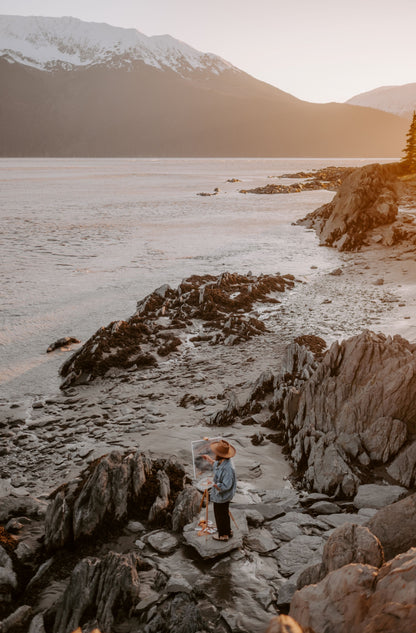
point(222, 449)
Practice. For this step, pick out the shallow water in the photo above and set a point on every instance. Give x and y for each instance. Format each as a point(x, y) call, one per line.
point(83, 239)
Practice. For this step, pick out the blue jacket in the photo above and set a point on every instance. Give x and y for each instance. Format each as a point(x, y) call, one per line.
point(224, 477)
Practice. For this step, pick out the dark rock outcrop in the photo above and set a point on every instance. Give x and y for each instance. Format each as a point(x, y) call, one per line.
point(220, 305)
point(363, 385)
point(366, 199)
point(114, 487)
point(98, 589)
point(345, 416)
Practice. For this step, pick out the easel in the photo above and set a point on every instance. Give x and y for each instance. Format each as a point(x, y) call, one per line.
point(205, 496)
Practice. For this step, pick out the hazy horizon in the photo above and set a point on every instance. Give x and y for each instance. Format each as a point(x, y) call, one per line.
point(319, 52)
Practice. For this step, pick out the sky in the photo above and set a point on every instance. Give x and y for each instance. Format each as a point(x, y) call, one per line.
point(317, 50)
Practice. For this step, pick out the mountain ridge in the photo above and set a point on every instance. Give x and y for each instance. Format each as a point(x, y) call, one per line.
point(115, 104)
point(399, 100)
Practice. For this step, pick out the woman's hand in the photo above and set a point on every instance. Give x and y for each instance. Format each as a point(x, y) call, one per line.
point(207, 458)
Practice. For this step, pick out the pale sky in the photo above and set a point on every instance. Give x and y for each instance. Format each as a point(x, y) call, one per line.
point(317, 50)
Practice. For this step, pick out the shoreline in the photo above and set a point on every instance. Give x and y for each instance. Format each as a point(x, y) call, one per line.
point(56, 437)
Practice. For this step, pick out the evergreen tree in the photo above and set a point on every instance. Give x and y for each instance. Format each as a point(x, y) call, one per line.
point(409, 151)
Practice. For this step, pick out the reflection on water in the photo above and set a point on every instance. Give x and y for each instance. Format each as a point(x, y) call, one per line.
point(83, 239)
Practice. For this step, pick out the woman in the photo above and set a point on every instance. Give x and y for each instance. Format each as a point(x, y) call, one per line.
point(223, 488)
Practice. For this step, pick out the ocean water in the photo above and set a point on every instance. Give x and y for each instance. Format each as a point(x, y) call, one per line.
point(82, 240)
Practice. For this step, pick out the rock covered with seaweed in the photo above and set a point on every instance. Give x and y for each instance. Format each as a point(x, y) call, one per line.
point(210, 308)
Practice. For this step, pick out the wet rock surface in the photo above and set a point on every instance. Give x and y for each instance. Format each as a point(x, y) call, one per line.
point(51, 439)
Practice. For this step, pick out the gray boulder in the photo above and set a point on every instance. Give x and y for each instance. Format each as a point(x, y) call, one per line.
point(394, 526)
point(295, 555)
point(260, 541)
point(163, 542)
point(351, 544)
point(375, 496)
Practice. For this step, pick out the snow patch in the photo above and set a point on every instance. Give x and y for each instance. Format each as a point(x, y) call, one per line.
point(47, 43)
point(399, 100)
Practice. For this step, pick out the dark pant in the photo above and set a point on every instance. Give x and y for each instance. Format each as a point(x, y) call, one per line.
point(222, 518)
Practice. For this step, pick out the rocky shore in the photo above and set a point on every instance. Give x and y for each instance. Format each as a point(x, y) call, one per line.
point(329, 178)
point(98, 514)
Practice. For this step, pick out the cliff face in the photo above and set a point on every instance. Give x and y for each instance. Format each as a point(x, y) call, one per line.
point(368, 198)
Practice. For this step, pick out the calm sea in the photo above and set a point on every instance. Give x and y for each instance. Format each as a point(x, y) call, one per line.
point(83, 239)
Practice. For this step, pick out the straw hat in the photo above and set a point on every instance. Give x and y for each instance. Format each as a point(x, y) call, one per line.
point(222, 449)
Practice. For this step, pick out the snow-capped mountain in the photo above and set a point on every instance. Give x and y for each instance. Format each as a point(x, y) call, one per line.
point(117, 92)
point(399, 100)
point(49, 43)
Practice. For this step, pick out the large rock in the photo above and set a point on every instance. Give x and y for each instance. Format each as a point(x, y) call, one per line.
point(260, 541)
point(394, 526)
point(360, 598)
point(351, 544)
point(113, 488)
point(363, 385)
point(375, 496)
point(97, 588)
point(366, 199)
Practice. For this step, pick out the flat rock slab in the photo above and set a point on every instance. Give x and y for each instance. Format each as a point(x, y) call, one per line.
point(375, 496)
point(163, 542)
point(299, 518)
point(207, 547)
point(324, 507)
point(336, 520)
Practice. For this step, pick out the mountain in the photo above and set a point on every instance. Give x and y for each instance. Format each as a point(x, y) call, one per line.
point(400, 100)
point(85, 89)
